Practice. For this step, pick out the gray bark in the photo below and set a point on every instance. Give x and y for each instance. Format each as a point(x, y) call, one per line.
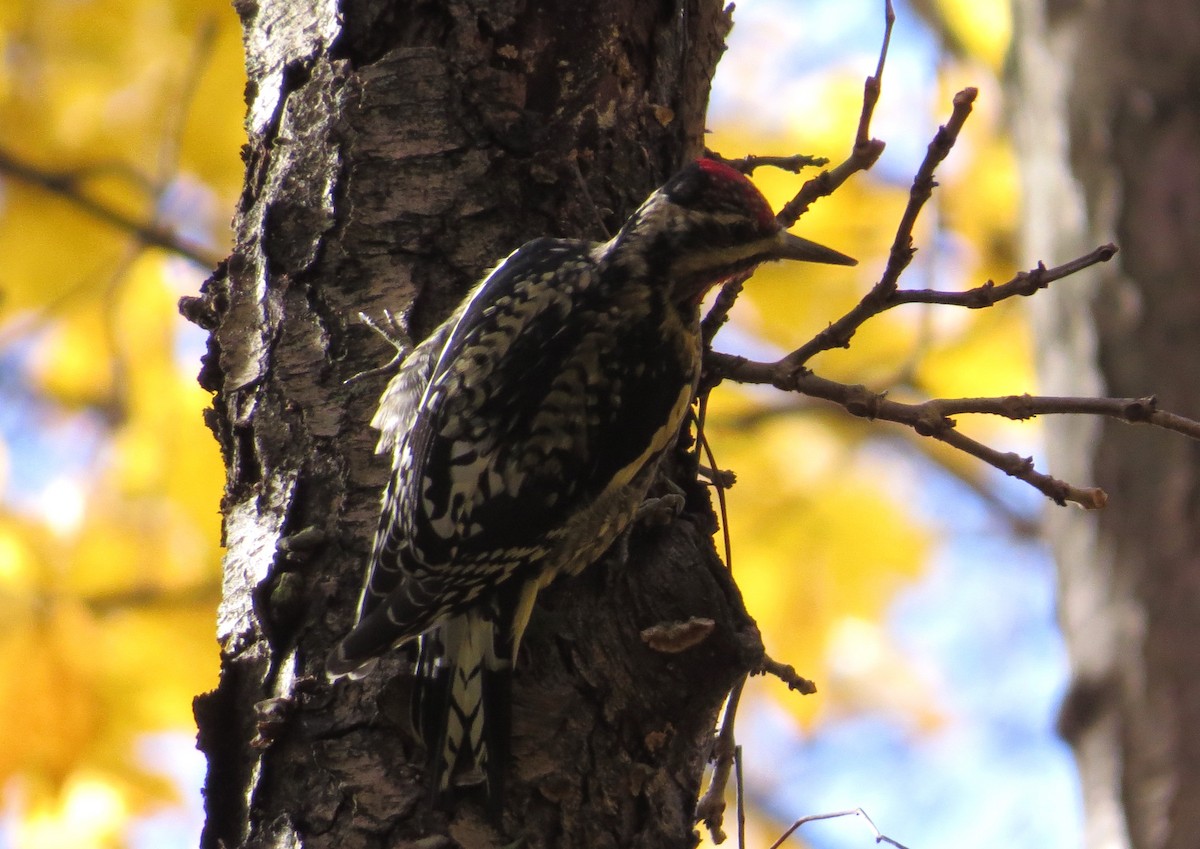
point(1108, 128)
point(396, 151)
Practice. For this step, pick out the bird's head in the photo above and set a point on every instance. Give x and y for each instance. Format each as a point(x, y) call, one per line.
point(706, 225)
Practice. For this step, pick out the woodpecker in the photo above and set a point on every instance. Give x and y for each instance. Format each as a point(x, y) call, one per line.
point(525, 431)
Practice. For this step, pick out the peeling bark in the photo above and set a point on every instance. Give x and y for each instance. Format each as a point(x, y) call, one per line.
point(396, 151)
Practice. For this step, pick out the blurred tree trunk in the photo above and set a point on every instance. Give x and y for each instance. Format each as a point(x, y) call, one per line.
point(396, 151)
point(1109, 137)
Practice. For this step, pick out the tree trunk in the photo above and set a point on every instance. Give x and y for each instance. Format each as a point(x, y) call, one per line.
point(396, 152)
point(1109, 134)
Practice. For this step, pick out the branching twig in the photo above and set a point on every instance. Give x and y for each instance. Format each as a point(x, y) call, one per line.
point(863, 156)
point(1019, 524)
point(878, 300)
point(857, 812)
point(932, 418)
point(866, 151)
point(838, 334)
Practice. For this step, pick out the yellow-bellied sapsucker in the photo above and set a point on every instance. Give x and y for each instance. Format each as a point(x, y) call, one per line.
point(526, 430)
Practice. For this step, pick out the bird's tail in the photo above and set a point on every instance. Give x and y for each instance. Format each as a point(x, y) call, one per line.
point(462, 704)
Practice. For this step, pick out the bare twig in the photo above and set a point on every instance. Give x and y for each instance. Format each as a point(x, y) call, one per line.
point(863, 155)
point(866, 150)
point(1024, 284)
point(711, 808)
point(1019, 524)
point(1021, 468)
point(857, 812)
point(838, 334)
point(874, 83)
point(925, 419)
point(932, 418)
point(793, 164)
point(722, 304)
point(719, 481)
point(923, 185)
point(788, 675)
point(739, 789)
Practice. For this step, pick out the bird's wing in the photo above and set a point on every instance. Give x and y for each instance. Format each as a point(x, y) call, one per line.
point(544, 396)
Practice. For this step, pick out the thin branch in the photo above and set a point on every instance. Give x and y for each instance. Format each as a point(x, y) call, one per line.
point(719, 481)
point(932, 418)
point(1019, 407)
point(863, 155)
point(1019, 525)
point(787, 674)
point(739, 789)
point(857, 812)
point(838, 334)
point(866, 150)
point(1022, 468)
point(66, 186)
point(989, 294)
point(874, 84)
point(711, 808)
point(923, 185)
point(793, 164)
point(926, 419)
point(716, 317)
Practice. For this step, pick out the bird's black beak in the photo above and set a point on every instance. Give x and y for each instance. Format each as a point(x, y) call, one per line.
point(793, 247)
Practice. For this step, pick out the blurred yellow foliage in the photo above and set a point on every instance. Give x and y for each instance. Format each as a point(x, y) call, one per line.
point(109, 525)
point(983, 27)
point(820, 536)
point(90, 813)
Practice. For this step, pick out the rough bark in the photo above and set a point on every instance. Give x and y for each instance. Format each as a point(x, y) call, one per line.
point(1109, 137)
point(396, 151)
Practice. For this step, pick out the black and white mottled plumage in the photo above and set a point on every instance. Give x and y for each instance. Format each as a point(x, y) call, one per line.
point(525, 431)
